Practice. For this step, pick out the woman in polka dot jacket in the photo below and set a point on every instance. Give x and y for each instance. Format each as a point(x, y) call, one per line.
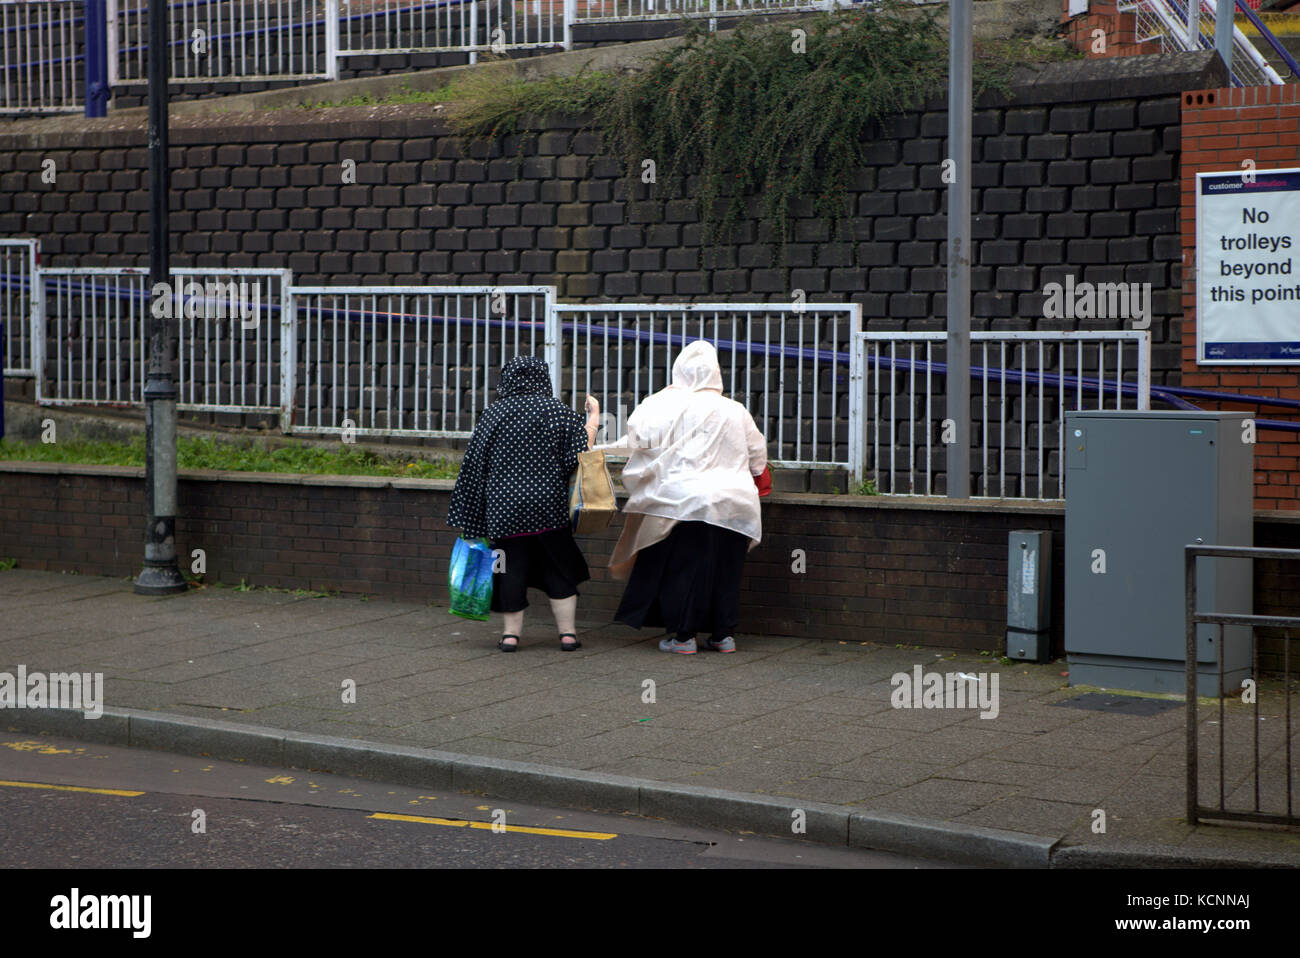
point(513, 489)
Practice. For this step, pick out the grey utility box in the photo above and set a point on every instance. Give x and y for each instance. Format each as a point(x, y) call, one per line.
point(1139, 486)
point(1029, 596)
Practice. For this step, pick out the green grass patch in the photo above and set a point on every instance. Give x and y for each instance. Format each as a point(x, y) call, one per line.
point(241, 456)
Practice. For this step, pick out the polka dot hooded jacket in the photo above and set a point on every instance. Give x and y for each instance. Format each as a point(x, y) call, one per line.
point(515, 475)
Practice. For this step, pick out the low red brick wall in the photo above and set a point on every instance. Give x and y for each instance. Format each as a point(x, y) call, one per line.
point(886, 570)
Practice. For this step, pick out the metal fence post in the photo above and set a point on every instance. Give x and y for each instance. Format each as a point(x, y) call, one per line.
point(570, 14)
point(288, 355)
point(473, 30)
point(331, 39)
point(96, 80)
point(551, 339)
point(959, 247)
point(857, 404)
point(37, 293)
point(1189, 585)
point(111, 48)
point(1223, 31)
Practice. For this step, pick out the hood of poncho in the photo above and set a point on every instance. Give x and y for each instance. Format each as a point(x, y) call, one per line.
point(525, 376)
point(693, 452)
point(697, 368)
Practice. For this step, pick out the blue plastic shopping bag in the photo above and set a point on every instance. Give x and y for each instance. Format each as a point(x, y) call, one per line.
point(469, 579)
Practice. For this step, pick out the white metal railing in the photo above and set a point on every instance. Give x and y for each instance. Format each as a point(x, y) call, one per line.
point(1022, 385)
point(608, 11)
point(20, 305)
point(423, 361)
point(411, 26)
point(41, 56)
point(93, 331)
point(234, 340)
point(410, 360)
point(232, 40)
point(231, 353)
point(791, 365)
point(1167, 21)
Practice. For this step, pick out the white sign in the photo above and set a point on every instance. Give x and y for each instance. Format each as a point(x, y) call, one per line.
point(1248, 267)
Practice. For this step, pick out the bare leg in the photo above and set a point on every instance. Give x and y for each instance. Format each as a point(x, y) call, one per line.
point(514, 625)
point(565, 612)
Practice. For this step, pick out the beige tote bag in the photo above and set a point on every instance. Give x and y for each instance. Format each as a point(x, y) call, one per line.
point(591, 494)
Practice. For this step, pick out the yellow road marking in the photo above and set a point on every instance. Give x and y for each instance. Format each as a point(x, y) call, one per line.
point(72, 788)
point(459, 823)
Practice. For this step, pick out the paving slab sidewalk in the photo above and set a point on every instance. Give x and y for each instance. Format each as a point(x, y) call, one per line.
point(801, 720)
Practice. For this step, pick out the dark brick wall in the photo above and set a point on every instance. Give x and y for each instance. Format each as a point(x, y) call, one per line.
point(888, 571)
point(1076, 173)
point(1078, 176)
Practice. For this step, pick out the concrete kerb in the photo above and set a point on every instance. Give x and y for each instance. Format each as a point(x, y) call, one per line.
point(404, 765)
point(965, 844)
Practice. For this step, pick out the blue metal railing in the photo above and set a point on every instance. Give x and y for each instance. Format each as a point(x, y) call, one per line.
point(1269, 38)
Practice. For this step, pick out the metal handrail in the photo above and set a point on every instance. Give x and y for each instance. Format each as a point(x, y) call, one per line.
point(1192, 618)
point(1272, 40)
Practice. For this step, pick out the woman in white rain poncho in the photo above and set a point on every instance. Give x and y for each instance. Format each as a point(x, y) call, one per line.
point(692, 509)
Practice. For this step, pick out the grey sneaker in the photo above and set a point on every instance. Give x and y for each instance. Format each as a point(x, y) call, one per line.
point(681, 648)
point(722, 645)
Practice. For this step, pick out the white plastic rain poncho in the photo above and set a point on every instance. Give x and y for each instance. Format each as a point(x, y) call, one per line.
point(692, 457)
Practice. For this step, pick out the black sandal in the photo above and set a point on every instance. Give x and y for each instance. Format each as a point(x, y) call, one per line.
point(569, 646)
point(501, 643)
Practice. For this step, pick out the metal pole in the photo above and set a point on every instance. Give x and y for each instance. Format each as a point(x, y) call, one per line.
point(1193, 24)
point(1192, 669)
point(96, 58)
point(160, 576)
point(1223, 31)
point(959, 248)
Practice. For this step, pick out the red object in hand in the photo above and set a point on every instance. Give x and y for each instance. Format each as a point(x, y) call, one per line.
point(764, 482)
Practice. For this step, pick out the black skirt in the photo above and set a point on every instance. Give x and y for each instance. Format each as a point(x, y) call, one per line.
point(550, 561)
point(688, 582)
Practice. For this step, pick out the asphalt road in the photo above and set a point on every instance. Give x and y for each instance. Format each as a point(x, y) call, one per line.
point(67, 804)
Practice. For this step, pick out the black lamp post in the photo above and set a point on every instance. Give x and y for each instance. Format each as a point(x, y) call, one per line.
point(160, 575)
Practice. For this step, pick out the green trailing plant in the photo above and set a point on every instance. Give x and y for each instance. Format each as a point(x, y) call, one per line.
point(754, 122)
point(765, 112)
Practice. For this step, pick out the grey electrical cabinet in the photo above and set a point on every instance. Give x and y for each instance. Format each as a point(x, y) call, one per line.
point(1139, 487)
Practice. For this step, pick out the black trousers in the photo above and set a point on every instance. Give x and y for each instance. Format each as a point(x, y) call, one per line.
point(688, 582)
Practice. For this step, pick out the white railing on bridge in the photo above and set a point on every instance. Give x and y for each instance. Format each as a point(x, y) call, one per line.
point(410, 26)
point(42, 56)
point(417, 361)
point(1167, 21)
point(227, 40)
point(20, 305)
point(613, 11)
point(789, 364)
point(1022, 385)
